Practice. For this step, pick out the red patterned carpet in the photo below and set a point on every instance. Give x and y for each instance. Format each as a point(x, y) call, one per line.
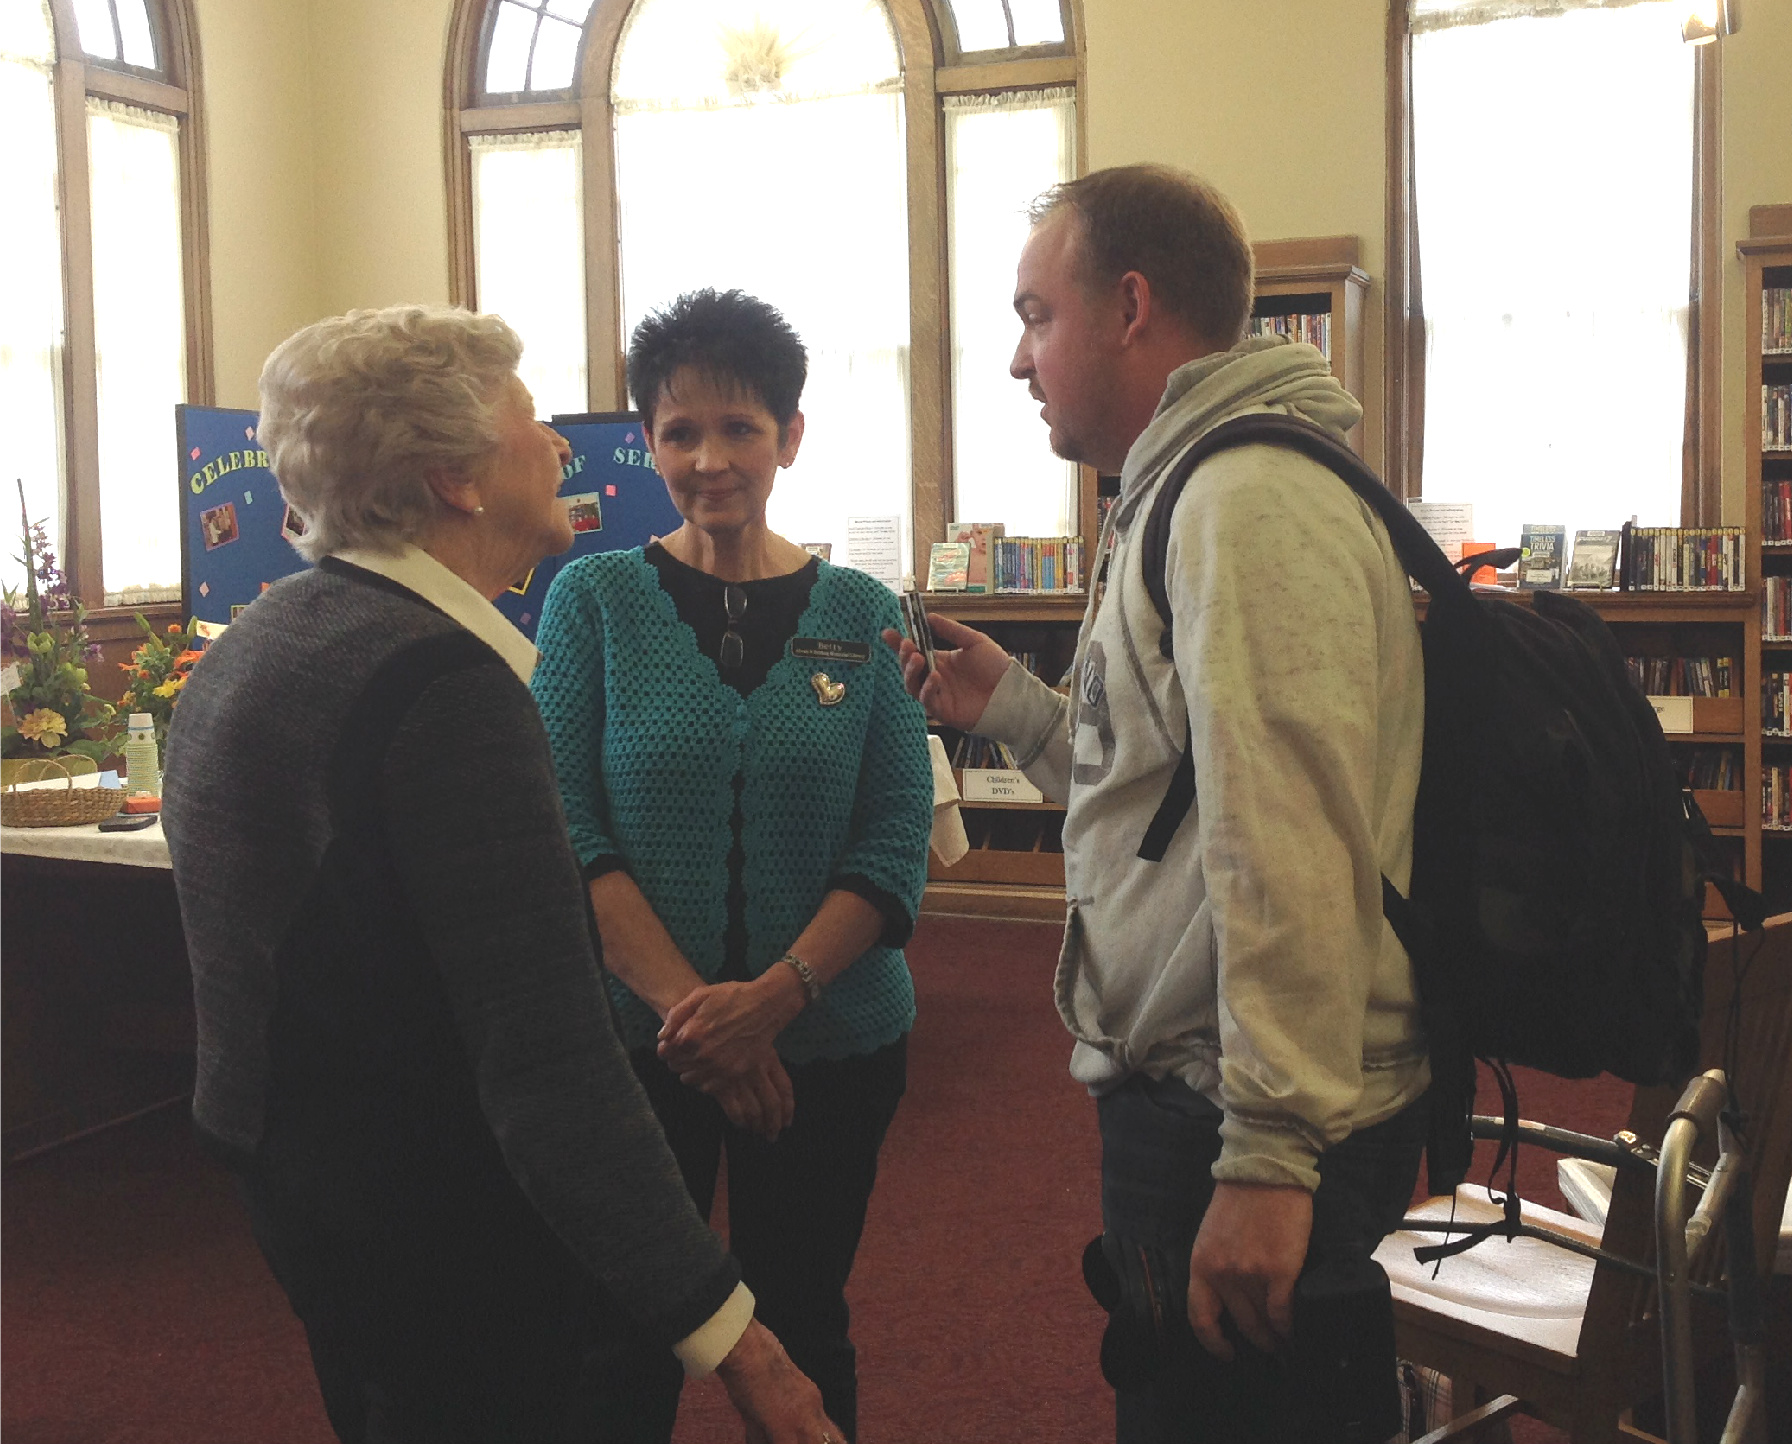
point(137, 1311)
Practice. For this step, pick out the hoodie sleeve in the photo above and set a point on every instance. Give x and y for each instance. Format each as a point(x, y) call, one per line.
point(1027, 717)
point(1278, 583)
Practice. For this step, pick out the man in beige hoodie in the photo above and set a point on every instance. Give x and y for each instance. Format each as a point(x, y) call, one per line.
point(1242, 1012)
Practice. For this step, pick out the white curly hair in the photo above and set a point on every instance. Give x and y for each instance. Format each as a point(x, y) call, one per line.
point(358, 410)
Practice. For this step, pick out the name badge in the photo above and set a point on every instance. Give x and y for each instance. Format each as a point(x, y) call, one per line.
point(830, 649)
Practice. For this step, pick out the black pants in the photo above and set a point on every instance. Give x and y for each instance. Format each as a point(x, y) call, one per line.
point(1159, 1143)
point(478, 1330)
point(796, 1209)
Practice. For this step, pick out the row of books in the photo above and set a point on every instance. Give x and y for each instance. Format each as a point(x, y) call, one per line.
point(1776, 319)
point(1315, 330)
point(1036, 563)
point(1776, 511)
point(975, 751)
point(1713, 769)
point(1776, 417)
point(1687, 559)
point(1776, 703)
point(1683, 676)
point(1776, 608)
point(1776, 795)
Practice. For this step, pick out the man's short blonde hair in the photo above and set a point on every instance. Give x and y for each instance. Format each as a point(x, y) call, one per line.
point(357, 412)
point(1175, 230)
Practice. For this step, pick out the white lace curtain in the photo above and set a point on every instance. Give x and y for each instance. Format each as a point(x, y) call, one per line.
point(1553, 183)
point(762, 148)
point(1001, 153)
point(31, 294)
point(133, 162)
point(529, 254)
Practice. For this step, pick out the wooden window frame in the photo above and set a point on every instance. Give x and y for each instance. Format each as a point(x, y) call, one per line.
point(1403, 352)
point(176, 93)
point(932, 67)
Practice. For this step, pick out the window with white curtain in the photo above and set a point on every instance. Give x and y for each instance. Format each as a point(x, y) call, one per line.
point(1002, 151)
point(102, 314)
point(133, 166)
point(760, 147)
point(528, 207)
point(31, 297)
point(1553, 190)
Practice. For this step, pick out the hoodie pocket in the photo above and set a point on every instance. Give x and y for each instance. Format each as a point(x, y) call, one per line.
point(1078, 1003)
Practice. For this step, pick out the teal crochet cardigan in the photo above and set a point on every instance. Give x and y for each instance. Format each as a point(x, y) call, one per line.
point(648, 740)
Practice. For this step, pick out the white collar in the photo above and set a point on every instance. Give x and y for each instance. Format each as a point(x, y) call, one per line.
point(417, 571)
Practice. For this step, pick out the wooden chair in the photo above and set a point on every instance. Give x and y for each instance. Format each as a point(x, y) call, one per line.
point(1532, 1326)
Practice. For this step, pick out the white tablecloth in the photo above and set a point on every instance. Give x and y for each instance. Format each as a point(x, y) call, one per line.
point(146, 848)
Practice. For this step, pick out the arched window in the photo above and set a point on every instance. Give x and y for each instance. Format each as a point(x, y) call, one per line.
point(103, 320)
point(862, 164)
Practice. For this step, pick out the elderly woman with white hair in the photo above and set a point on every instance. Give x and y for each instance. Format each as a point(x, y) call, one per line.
point(405, 1049)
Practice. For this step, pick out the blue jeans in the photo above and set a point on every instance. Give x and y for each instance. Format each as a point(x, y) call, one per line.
point(1159, 1143)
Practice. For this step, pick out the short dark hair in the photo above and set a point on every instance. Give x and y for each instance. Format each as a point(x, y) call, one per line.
point(1175, 230)
point(729, 337)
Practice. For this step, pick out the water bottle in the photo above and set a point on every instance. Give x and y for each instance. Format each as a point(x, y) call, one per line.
point(141, 770)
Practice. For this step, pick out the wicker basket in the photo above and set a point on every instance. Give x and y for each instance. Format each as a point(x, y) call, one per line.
point(69, 806)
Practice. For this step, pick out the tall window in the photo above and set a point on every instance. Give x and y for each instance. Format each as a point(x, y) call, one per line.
point(31, 296)
point(1553, 190)
point(828, 155)
point(102, 318)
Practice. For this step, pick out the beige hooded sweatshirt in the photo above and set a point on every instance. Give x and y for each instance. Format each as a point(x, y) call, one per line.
point(1253, 961)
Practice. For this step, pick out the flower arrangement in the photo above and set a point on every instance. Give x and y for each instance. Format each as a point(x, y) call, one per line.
point(157, 671)
point(45, 633)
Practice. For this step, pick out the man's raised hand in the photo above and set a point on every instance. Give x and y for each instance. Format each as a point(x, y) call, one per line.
point(965, 672)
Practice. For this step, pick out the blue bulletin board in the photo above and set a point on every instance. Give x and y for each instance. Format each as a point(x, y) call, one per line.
point(235, 525)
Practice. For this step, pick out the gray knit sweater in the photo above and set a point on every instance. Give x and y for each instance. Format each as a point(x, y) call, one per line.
point(402, 1021)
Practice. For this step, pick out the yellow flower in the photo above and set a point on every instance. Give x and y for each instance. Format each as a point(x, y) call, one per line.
point(168, 688)
point(45, 727)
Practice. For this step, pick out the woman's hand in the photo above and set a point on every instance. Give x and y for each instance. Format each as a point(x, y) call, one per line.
point(761, 1102)
point(965, 673)
point(720, 1033)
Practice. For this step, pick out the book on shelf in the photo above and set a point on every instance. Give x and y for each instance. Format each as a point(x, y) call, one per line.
point(1314, 328)
point(1595, 562)
point(1776, 796)
point(1776, 417)
point(1036, 563)
point(977, 535)
point(1686, 559)
point(948, 564)
point(1776, 511)
point(1776, 703)
point(982, 752)
point(1776, 608)
point(1540, 548)
point(1776, 319)
point(1683, 676)
point(1713, 769)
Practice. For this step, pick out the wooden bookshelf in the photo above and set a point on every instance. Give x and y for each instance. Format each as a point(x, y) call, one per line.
point(1766, 256)
point(1319, 275)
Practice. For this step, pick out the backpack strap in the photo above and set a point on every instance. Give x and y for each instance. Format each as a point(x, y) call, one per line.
point(1423, 559)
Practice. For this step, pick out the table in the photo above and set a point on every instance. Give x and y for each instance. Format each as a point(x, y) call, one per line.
point(96, 1003)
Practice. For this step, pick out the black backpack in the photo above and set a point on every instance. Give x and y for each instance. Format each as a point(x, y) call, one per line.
point(1555, 913)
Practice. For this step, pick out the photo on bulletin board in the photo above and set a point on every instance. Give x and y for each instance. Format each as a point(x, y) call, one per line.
point(235, 525)
point(237, 531)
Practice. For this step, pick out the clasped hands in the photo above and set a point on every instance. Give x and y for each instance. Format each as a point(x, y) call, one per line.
point(718, 1039)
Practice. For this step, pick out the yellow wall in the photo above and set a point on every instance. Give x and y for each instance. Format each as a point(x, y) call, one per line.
point(261, 142)
point(1281, 104)
point(327, 180)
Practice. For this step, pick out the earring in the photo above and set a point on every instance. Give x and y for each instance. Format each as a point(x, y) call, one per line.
point(478, 511)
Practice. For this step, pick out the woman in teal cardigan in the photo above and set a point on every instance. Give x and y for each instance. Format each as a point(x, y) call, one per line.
point(748, 790)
